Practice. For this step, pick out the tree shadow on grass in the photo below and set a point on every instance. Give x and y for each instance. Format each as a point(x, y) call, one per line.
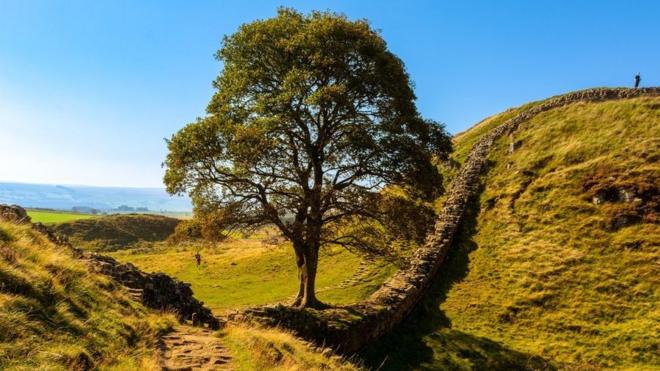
point(427, 342)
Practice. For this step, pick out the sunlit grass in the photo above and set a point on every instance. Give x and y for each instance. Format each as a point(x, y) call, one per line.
point(539, 271)
point(273, 349)
point(55, 314)
point(245, 272)
point(547, 276)
point(51, 217)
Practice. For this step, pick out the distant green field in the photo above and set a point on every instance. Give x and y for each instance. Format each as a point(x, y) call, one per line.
point(51, 217)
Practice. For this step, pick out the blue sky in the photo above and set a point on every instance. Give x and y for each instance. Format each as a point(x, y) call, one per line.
point(89, 89)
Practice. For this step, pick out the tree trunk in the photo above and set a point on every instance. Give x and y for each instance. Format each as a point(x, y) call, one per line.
point(300, 261)
point(308, 278)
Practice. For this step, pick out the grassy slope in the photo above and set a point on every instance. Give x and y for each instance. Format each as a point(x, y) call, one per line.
point(540, 271)
point(51, 217)
point(54, 314)
point(272, 349)
point(244, 272)
point(107, 233)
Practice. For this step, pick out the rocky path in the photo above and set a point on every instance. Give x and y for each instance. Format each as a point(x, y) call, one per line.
point(193, 348)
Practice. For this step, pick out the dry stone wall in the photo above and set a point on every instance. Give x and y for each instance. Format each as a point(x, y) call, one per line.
point(348, 329)
point(155, 290)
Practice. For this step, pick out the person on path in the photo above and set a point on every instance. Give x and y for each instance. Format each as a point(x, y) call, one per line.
point(198, 258)
point(637, 80)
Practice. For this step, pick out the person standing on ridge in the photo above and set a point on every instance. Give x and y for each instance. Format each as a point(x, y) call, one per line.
point(637, 80)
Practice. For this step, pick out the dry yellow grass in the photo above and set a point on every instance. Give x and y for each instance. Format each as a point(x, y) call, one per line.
point(542, 276)
point(55, 314)
point(272, 349)
point(243, 272)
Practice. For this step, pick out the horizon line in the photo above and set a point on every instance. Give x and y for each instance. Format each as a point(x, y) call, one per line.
point(2, 181)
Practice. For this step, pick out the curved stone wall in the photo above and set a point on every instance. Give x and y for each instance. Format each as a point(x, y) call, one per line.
point(348, 329)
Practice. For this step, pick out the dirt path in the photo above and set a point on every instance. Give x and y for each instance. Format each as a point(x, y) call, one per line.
point(193, 348)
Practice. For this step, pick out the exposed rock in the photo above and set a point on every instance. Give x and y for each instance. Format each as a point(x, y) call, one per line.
point(624, 220)
point(14, 214)
point(513, 144)
point(626, 195)
point(630, 198)
point(18, 215)
point(189, 348)
point(598, 199)
point(158, 290)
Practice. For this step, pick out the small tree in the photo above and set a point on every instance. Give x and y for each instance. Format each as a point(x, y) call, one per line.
point(312, 117)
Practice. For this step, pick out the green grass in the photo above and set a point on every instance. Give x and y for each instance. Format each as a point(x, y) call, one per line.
point(245, 272)
point(464, 141)
point(56, 315)
point(273, 349)
point(53, 217)
point(540, 275)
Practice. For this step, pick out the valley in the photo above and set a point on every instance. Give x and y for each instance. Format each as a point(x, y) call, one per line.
point(259, 186)
point(245, 272)
point(547, 270)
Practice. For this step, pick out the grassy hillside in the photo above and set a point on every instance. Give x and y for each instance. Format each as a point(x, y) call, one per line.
point(54, 314)
point(243, 272)
point(272, 349)
point(558, 263)
point(119, 231)
point(52, 217)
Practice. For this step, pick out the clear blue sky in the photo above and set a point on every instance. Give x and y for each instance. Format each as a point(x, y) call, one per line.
point(89, 89)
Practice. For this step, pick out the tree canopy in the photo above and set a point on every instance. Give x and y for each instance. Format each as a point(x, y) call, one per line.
point(311, 119)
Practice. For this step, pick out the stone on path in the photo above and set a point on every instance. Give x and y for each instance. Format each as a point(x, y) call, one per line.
point(193, 348)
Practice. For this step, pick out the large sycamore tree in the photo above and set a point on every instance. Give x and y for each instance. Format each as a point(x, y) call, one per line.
point(312, 118)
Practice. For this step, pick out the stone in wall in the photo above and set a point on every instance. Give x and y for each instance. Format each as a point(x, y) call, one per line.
point(156, 290)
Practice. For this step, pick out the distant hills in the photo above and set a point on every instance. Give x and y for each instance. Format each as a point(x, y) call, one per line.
point(67, 197)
